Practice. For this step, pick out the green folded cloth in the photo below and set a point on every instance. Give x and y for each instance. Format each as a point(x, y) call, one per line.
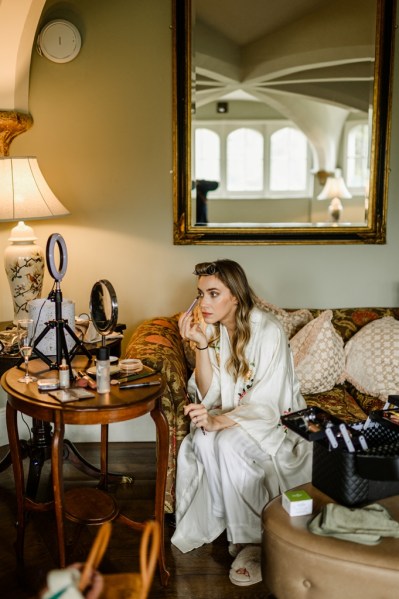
point(365, 525)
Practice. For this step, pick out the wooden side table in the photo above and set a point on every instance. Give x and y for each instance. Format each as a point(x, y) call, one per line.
point(103, 409)
point(38, 449)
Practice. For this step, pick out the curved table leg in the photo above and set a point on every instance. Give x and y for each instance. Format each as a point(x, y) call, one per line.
point(16, 459)
point(58, 482)
point(161, 424)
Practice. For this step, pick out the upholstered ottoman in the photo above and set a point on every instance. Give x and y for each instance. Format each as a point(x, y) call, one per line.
point(297, 563)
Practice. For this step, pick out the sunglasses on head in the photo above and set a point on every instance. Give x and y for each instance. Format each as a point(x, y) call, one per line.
point(205, 268)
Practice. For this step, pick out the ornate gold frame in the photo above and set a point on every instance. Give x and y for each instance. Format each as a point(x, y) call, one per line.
point(374, 231)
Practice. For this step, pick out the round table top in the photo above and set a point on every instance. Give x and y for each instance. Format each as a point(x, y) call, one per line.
point(115, 406)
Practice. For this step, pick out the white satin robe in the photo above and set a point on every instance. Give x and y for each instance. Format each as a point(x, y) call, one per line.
point(255, 403)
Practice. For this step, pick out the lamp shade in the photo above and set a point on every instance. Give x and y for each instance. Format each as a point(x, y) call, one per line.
point(334, 188)
point(24, 192)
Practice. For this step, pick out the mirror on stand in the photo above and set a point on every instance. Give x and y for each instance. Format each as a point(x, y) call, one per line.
point(104, 308)
point(104, 314)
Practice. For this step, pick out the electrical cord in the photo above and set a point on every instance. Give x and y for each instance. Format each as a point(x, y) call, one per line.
point(27, 426)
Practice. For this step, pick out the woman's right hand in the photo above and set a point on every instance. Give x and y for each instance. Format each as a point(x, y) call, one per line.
point(190, 330)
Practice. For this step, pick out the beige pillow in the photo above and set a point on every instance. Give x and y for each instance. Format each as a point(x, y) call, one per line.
point(292, 322)
point(372, 358)
point(319, 356)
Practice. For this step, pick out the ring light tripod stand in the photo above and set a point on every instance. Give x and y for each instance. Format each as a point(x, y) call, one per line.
point(59, 324)
point(38, 449)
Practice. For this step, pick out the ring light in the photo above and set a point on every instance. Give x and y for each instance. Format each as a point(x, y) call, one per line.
point(56, 272)
point(59, 324)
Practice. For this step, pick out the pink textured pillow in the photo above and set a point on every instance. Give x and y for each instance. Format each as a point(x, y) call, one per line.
point(372, 358)
point(292, 322)
point(319, 357)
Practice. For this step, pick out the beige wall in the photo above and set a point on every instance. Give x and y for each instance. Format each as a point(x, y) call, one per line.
point(103, 138)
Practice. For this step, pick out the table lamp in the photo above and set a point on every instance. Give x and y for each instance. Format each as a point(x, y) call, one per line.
point(25, 194)
point(335, 190)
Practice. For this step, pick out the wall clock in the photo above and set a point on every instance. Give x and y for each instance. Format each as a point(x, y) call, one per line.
point(59, 41)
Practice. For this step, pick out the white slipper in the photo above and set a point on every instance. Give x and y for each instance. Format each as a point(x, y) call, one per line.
point(248, 559)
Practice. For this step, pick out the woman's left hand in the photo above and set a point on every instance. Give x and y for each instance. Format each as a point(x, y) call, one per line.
point(201, 418)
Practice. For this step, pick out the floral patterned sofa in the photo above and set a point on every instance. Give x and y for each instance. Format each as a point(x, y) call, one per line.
point(319, 340)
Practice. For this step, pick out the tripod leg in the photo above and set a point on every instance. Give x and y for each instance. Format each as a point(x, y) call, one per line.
point(78, 343)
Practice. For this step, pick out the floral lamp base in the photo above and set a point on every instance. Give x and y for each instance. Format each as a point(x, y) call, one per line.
point(24, 264)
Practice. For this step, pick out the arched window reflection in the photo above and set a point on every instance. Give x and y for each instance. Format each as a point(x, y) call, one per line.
point(357, 152)
point(207, 154)
point(207, 170)
point(288, 160)
point(245, 160)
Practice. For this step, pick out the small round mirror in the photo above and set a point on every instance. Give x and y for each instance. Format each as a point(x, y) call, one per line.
point(104, 307)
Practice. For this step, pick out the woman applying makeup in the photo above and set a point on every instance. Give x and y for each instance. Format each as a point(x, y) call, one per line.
point(237, 456)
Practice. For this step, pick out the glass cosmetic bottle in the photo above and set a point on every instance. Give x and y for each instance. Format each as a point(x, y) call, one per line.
point(103, 370)
point(63, 374)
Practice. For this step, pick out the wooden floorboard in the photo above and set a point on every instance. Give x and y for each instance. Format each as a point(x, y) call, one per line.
point(200, 574)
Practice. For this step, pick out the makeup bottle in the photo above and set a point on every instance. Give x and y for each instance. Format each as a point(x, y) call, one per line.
point(63, 374)
point(103, 370)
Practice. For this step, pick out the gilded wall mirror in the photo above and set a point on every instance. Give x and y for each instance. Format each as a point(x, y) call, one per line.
point(281, 120)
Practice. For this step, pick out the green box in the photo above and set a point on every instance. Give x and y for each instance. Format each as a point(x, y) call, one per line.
point(297, 502)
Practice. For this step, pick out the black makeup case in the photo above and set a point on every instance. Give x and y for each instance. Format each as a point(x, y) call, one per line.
point(354, 464)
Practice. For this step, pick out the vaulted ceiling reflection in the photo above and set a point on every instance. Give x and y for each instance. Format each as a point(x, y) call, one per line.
point(310, 61)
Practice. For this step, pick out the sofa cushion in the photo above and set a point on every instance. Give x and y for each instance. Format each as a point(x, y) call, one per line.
point(338, 402)
point(319, 357)
point(292, 321)
point(372, 358)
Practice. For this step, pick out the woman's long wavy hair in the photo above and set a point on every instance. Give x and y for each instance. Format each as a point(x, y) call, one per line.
point(232, 275)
